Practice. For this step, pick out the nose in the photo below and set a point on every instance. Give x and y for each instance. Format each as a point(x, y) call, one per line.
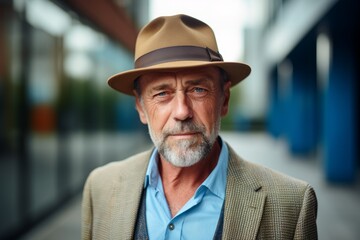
point(182, 109)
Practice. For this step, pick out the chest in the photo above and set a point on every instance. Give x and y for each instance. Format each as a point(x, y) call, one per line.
point(198, 218)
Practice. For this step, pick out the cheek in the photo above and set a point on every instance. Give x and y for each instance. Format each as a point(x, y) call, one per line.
point(157, 116)
point(208, 113)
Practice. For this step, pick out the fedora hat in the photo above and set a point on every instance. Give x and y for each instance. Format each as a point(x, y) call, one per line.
point(174, 43)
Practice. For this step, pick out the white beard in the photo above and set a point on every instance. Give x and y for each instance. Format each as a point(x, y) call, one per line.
point(185, 152)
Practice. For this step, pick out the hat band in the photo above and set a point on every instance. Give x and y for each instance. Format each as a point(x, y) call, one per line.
point(177, 53)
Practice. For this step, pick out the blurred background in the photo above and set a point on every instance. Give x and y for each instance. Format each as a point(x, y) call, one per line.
point(297, 112)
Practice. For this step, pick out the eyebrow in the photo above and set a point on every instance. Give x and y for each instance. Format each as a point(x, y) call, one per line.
point(196, 81)
point(161, 86)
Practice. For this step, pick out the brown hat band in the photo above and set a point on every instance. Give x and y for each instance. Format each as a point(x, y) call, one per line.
point(178, 53)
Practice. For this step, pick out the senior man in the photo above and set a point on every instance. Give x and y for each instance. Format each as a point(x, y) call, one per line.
point(191, 185)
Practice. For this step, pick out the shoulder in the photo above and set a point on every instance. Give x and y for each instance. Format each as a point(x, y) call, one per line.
point(289, 205)
point(265, 178)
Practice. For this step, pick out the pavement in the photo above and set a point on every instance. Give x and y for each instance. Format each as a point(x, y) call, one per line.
point(338, 212)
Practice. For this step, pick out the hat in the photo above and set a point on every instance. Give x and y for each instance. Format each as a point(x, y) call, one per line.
point(174, 43)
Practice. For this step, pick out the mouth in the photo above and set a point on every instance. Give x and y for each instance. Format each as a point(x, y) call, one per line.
point(184, 135)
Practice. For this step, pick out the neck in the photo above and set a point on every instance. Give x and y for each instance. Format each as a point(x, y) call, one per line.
point(180, 183)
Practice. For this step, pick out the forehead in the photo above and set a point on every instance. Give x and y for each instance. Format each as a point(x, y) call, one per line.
point(204, 73)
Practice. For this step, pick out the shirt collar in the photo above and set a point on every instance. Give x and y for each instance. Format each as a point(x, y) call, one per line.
point(215, 182)
point(152, 172)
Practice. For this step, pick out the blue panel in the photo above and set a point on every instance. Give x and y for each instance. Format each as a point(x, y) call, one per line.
point(339, 117)
point(302, 111)
point(274, 115)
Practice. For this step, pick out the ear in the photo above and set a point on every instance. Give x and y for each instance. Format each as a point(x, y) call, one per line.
point(139, 108)
point(225, 106)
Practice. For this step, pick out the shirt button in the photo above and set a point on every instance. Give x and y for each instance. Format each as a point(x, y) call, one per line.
point(171, 226)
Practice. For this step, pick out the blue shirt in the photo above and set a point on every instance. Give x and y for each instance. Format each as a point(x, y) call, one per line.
point(198, 218)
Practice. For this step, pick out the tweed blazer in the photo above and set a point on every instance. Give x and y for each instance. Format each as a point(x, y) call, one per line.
point(259, 203)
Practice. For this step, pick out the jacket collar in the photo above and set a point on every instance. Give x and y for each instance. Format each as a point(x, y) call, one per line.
point(125, 200)
point(244, 201)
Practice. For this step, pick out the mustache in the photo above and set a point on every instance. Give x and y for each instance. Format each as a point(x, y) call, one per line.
point(184, 126)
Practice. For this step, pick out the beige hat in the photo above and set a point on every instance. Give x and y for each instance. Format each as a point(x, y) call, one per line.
point(173, 43)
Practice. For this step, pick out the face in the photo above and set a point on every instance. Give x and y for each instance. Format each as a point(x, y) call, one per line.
point(183, 111)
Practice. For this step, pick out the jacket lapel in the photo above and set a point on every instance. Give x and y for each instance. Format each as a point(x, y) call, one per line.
point(244, 201)
point(126, 197)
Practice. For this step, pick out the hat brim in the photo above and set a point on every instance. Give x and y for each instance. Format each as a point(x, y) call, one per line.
point(124, 81)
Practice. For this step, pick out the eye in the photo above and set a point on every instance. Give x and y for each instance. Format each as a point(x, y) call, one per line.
point(199, 90)
point(160, 94)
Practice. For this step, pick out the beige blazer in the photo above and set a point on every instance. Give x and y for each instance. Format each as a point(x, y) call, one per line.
point(259, 203)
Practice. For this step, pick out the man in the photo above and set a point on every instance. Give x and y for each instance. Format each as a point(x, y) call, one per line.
point(192, 185)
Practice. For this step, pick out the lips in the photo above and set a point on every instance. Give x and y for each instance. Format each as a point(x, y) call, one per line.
point(183, 135)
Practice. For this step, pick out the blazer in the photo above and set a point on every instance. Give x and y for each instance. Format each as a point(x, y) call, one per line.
point(259, 203)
